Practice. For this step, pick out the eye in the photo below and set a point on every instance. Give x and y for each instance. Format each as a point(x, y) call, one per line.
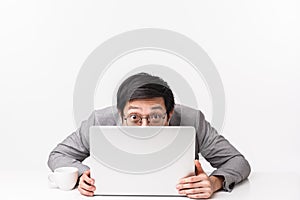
point(133, 117)
point(155, 116)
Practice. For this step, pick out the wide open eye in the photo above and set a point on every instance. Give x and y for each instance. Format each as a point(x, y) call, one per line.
point(134, 117)
point(155, 117)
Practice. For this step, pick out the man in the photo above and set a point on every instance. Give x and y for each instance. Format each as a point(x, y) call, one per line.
point(146, 100)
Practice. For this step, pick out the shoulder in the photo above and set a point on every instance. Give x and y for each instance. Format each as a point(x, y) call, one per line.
point(107, 116)
point(186, 116)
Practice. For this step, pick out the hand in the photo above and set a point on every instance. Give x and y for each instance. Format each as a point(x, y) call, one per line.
point(86, 184)
point(200, 185)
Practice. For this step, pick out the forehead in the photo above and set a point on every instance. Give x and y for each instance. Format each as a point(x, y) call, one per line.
point(145, 104)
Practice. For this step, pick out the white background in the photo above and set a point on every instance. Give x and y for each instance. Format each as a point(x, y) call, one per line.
point(254, 44)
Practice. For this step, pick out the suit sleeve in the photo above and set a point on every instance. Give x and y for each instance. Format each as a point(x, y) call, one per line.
point(230, 163)
point(74, 149)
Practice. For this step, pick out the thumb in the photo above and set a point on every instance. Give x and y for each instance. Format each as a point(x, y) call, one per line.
point(87, 172)
point(199, 169)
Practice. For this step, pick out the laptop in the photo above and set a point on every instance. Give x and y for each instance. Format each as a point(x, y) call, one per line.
point(148, 160)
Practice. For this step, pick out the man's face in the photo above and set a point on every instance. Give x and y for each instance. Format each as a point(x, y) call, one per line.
point(146, 112)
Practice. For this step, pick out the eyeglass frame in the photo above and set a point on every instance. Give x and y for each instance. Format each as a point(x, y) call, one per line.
point(143, 117)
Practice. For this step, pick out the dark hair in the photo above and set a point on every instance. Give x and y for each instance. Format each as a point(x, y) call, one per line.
point(144, 86)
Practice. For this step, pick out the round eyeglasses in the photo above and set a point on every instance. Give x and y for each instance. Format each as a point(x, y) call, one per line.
point(153, 119)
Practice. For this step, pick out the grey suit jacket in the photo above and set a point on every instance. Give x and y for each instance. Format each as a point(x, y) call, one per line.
point(229, 162)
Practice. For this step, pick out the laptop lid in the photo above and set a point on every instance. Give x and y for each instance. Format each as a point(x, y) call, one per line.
point(126, 160)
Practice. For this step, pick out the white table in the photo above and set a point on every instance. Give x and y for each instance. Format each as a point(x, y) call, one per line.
point(34, 185)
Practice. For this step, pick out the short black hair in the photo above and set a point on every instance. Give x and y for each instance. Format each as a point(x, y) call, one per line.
point(144, 86)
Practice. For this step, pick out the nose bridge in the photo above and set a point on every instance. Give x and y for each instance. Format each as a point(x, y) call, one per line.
point(145, 121)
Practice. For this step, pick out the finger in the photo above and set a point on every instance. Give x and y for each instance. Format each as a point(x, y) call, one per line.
point(199, 196)
point(193, 179)
point(201, 184)
point(87, 179)
point(87, 187)
point(84, 192)
point(199, 168)
point(87, 172)
point(195, 191)
point(190, 179)
point(188, 185)
point(189, 191)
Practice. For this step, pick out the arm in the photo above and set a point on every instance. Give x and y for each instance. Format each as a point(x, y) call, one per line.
point(74, 149)
point(230, 163)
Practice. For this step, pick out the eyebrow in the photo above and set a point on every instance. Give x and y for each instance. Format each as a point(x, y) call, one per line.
point(134, 107)
point(157, 107)
point(153, 108)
